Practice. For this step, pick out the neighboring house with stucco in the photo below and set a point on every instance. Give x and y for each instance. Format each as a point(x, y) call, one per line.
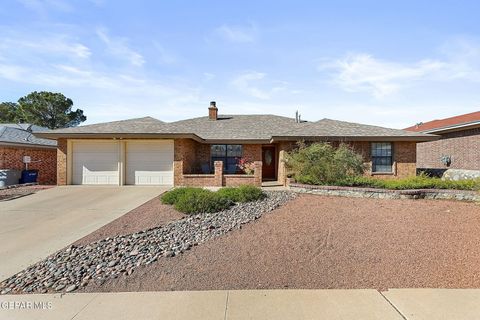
point(18, 141)
point(458, 146)
point(205, 151)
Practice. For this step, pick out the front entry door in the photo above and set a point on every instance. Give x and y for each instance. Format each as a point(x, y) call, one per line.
point(268, 163)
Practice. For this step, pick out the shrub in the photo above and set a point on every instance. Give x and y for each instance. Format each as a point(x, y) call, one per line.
point(243, 193)
point(196, 200)
point(171, 197)
point(321, 163)
point(201, 201)
point(419, 182)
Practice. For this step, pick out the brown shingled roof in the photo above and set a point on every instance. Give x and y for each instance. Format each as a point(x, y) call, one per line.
point(447, 122)
point(258, 128)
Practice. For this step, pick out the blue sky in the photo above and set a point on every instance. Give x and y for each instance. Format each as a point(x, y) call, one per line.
point(375, 62)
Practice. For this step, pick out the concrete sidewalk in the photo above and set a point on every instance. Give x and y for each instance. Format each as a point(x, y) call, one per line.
point(395, 304)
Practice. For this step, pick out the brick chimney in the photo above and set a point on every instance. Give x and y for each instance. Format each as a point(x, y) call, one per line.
point(213, 111)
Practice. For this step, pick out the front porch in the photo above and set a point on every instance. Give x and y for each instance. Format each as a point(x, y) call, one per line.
point(217, 165)
point(218, 178)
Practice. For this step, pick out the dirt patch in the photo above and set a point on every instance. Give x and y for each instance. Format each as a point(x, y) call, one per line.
point(329, 242)
point(149, 215)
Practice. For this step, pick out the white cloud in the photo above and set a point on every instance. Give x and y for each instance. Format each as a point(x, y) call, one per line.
point(207, 76)
point(243, 83)
point(42, 7)
point(255, 84)
point(163, 56)
point(119, 48)
point(237, 34)
point(12, 72)
point(57, 45)
point(463, 55)
point(363, 72)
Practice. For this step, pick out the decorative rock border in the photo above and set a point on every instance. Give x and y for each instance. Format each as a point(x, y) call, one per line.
point(357, 192)
point(75, 266)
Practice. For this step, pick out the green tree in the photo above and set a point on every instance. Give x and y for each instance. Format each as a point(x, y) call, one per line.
point(8, 112)
point(48, 109)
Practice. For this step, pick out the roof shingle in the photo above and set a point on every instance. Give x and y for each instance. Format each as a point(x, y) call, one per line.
point(447, 122)
point(24, 134)
point(261, 127)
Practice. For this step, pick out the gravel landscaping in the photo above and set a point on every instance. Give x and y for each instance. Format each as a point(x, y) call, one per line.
point(318, 242)
point(109, 258)
point(7, 194)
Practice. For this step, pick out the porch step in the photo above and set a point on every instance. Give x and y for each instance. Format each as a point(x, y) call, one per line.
point(271, 184)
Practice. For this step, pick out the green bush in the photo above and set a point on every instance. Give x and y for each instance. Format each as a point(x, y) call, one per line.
point(172, 196)
point(196, 200)
point(201, 201)
point(418, 182)
point(243, 193)
point(321, 163)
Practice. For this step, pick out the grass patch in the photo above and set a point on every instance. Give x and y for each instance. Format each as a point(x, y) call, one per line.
point(197, 200)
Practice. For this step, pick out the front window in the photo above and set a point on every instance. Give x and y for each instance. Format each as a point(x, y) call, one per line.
point(229, 154)
point(382, 157)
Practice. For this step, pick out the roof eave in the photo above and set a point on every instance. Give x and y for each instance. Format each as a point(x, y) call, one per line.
point(452, 128)
point(83, 135)
point(422, 138)
point(27, 145)
point(237, 141)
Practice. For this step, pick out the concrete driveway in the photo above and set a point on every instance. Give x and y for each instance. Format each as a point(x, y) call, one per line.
point(38, 225)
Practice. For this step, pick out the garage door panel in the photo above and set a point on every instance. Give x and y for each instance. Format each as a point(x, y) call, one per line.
point(95, 163)
point(149, 163)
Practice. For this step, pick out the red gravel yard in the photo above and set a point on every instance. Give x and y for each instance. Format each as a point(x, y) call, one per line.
point(329, 242)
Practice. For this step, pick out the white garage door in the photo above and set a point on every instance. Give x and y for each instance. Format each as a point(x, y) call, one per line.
point(149, 162)
point(95, 162)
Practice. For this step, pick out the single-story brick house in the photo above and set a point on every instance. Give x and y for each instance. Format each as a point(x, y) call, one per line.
point(19, 140)
point(205, 151)
point(458, 146)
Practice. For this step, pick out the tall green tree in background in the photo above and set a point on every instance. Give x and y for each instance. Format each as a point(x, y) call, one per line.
point(46, 109)
point(8, 112)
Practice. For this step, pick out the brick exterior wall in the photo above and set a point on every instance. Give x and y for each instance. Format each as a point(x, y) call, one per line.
point(282, 149)
point(43, 159)
point(252, 152)
point(189, 156)
point(235, 180)
point(61, 162)
point(404, 157)
point(463, 146)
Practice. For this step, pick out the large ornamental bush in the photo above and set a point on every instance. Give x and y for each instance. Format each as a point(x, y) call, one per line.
point(321, 163)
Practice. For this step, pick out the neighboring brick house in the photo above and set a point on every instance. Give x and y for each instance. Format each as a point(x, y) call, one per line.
point(205, 151)
point(458, 146)
point(18, 140)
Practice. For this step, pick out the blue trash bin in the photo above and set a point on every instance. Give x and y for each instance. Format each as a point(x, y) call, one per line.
point(29, 176)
